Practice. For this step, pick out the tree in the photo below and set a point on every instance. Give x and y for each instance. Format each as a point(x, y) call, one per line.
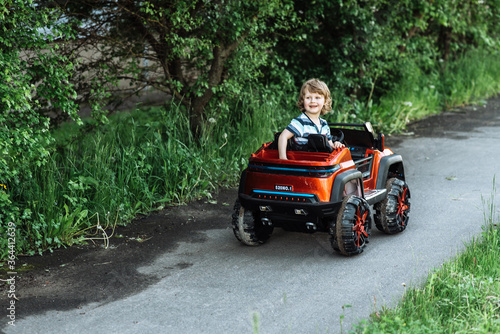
point(346, 43)
point(356, 44)
point(32, 76)
point(195, 51)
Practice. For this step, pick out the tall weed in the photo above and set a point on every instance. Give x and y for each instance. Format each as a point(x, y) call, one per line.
point(471, 79)
point(147, 158)
point(140, 161)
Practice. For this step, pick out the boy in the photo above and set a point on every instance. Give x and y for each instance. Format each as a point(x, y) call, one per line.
point(314, 101)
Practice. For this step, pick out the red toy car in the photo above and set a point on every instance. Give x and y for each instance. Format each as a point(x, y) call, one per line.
point(318, 190)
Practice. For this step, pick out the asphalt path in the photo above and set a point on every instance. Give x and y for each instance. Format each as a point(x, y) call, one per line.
point(295, 283)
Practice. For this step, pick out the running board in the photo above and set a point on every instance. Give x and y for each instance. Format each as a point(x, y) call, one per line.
point(375, 195)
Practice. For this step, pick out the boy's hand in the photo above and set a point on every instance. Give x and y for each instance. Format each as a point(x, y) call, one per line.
point(337, 145)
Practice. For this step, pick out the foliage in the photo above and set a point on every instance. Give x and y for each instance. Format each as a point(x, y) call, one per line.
point(340, 43)
point(32, 75)
point(361, 47)
point(205, 53)
point(195, 51)
point(382, 62)
point(144, 160)
point(138, 162)
point(470, 79)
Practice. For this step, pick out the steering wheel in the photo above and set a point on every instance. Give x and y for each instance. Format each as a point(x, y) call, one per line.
point(337, 135)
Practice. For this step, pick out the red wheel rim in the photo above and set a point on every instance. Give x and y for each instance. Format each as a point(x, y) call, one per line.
point(402, 205)
point(359, 226)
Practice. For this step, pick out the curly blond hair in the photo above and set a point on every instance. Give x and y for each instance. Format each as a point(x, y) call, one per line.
point(317, 87)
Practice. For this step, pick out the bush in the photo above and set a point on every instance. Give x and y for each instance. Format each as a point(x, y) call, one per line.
point(24, 134)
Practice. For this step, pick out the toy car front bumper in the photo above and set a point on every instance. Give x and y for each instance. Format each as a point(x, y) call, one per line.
point(280, 208)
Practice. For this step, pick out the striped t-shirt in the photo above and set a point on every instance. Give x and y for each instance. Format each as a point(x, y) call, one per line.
point(303, 126)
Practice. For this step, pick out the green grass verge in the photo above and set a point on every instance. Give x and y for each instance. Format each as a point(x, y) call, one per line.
point(463, 296)
point(471, 79)
point(142, 160)
point(138, 162)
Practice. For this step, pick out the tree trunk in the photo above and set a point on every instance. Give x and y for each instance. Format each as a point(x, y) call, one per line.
point(197, 113)
point(444, 41)
point(215, 78)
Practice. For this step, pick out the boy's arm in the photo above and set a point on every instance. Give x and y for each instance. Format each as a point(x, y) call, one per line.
point(282, 141)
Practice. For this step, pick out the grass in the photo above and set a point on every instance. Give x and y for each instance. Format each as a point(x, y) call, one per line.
point(145, 159)
point(463, 296)
point(137, 163)
point(471, 79)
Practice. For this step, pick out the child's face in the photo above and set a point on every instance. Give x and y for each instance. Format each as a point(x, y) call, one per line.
point(313, 103)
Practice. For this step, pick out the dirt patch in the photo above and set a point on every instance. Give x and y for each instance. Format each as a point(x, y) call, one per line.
point(72, 277)
point(75, 276)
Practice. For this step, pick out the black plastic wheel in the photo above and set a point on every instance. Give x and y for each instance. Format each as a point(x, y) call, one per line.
point(352, 228)
point(391, 215)
point(332, 230)
point(247, 228)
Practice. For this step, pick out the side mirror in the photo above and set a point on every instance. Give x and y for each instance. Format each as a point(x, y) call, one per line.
point(380, 142)
point(369, 128)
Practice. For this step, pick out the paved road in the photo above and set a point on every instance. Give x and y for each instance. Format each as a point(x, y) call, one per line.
point(294, 283)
